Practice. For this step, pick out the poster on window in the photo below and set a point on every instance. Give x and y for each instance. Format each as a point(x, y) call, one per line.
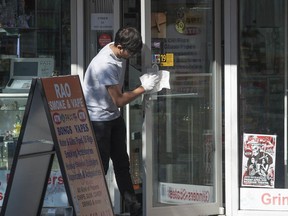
point(258, 163)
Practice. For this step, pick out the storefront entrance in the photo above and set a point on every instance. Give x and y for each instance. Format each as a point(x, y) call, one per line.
point(182, 135)
point(174, 135)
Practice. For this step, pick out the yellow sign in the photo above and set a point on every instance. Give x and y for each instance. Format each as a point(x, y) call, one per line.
point(167, 60)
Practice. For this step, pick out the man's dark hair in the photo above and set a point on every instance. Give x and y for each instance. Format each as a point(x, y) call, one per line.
point(129, 38)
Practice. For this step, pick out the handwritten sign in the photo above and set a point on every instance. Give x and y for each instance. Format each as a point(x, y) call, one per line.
point(77, 145)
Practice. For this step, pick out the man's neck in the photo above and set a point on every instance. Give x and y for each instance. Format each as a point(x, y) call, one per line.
point(115, 50)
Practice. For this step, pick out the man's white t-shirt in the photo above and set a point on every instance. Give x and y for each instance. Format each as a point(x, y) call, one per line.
point(105, 69)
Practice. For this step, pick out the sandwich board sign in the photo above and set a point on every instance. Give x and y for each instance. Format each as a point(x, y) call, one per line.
point(56, 122)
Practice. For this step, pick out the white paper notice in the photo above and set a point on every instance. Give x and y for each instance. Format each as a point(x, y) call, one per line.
point(163, 83)
point(102, 21)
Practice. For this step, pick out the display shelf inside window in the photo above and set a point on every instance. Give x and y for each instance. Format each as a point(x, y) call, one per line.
point(11, 114)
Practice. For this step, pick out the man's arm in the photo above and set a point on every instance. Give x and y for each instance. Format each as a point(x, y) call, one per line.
point(121, 99)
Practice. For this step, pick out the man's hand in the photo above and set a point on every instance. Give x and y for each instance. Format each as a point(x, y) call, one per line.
point(149, 81)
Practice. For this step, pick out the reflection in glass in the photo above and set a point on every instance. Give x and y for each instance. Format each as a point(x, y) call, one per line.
point(262, 74)
point(183, 137)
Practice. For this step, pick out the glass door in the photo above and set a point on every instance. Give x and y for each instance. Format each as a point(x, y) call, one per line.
point(182, 133)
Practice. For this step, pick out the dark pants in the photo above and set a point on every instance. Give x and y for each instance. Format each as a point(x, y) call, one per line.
point(111, 140)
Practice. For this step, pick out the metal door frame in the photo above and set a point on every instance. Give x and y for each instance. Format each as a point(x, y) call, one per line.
point(195, 209)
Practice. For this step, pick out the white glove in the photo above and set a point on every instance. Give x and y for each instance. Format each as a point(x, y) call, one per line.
point(149, 81)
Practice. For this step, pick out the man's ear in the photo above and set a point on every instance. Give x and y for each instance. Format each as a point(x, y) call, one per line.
point(119, 47)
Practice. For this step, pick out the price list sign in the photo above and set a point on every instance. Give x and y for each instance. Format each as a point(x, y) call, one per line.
point(76, 146)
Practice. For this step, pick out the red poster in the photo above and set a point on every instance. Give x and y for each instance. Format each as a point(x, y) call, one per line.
point(258, 163)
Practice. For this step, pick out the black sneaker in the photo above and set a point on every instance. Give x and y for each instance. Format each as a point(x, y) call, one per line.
point(135, 209)
point(132, 204)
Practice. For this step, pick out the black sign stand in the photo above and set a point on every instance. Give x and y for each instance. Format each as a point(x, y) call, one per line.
point(56, 122)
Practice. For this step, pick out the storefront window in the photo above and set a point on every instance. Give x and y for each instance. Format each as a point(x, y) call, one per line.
point(34, 42)
point(262, 85)
point(99, 23)
point(34, 29)
point(183, 136)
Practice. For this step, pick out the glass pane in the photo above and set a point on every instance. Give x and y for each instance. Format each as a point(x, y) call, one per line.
point(30, 32)
point(262, 84)
point(35, 29)
point(54, 33)
point(131, 17)
point(98, 33)
point(183, 141)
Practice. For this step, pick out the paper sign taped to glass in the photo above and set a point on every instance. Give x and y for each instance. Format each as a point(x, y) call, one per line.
point(258, 160)
point(163, 83)
point(158, 25)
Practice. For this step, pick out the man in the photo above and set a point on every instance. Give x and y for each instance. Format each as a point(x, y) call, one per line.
point(102, 89)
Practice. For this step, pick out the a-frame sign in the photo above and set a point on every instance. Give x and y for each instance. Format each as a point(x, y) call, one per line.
point(56, 121)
